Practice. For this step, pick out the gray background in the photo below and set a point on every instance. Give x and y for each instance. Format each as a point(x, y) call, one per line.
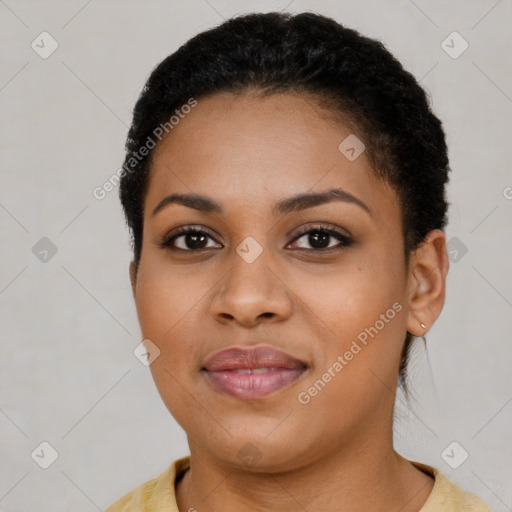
point(68, 375)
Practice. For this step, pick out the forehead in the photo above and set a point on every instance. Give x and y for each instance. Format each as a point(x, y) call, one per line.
point(241, 148)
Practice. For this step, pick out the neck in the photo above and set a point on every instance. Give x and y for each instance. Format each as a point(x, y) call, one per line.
point(365, 478)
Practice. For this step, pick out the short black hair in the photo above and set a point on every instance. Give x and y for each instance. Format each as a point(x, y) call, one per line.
point(352, 75)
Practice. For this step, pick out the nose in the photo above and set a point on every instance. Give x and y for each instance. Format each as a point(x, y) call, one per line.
point(252, 293)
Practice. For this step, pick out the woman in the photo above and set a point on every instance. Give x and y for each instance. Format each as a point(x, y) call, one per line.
point(284, 185)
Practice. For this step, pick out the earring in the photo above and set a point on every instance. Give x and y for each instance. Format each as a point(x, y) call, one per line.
point(423, 326)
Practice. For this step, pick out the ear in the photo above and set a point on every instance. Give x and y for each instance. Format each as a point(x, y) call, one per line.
point(428, 268)
point(133, 276)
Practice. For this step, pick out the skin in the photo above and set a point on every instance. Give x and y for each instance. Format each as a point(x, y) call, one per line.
point(247, 153)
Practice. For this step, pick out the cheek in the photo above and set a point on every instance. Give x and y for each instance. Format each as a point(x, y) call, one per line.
point(360, 314)
point(165, 299)
point(359, 365)
point(167, 306)
point(167, 309)
point(353, 298)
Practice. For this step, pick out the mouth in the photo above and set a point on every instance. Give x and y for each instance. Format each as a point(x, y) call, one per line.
point(252, 372)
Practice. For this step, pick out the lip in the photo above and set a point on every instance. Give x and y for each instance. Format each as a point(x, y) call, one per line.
point(232, 371)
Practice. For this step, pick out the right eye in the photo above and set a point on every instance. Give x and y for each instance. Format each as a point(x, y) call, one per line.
point(191, 239)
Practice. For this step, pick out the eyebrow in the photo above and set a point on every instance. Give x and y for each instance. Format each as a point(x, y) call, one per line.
point(290, 204)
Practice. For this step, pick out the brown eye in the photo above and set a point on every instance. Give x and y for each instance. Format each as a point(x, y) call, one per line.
point(188, 238)
point(323, 239)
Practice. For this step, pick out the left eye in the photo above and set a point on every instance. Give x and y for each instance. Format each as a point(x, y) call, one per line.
point(319, 238)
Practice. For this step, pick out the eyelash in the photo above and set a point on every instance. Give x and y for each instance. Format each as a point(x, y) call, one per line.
point(166, 241)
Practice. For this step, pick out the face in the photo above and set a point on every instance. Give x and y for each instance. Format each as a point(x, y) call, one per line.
point(323, 281)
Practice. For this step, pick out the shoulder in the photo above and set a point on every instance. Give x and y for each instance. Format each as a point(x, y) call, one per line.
point(447, 496)
point(155, 494)
point(135, 500)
